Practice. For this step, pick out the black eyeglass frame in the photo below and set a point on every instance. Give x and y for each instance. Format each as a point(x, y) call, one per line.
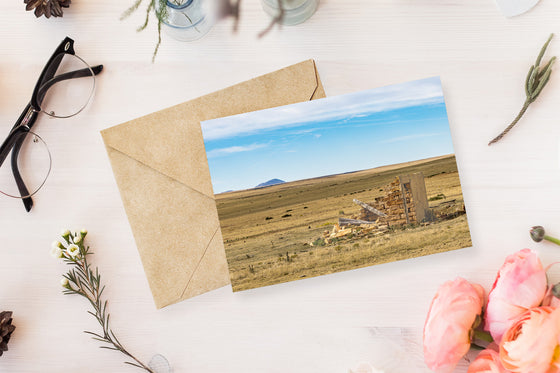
point(28, 117)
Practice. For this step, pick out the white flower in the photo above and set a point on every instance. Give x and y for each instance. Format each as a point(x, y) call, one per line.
point(56, 252)
point(77, 239)
point(64, 282)
point(56, 244)
point(65, 232)
point(73, 250)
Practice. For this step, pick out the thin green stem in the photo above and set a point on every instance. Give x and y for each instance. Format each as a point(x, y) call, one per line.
point(552, 239)
point(88, 284)
point(517, 118)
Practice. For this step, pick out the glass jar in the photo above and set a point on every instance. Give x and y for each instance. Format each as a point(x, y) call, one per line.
point(186, 20)
point(295, 11)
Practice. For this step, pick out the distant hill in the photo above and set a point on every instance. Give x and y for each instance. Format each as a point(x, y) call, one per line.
point(270, 182)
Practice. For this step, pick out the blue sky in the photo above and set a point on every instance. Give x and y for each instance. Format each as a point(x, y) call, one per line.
point(357, 131)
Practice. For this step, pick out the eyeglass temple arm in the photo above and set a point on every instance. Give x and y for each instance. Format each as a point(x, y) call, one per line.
point(69, 75)
point(14, 144)
point(27, 201)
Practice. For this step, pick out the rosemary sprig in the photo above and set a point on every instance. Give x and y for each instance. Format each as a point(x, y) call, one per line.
point(82, 280)
point(534, 83)
point(161, 15)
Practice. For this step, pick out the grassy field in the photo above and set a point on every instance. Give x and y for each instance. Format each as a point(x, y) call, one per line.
point(267, 231)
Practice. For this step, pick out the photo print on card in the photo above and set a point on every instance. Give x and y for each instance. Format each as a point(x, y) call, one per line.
point(336, 184)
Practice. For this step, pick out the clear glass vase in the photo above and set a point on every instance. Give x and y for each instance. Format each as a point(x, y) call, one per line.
point(295, 11)
point(186, 20)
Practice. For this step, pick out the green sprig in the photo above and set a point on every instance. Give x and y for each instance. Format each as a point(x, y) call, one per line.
point(82, 280)
point(161, 15)
point(536, 80)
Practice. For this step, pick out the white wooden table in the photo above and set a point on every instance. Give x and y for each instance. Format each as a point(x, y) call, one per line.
point(325, 324)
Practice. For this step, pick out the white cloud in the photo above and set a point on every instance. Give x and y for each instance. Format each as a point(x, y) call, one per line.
point(234, 149)
point(359, 104)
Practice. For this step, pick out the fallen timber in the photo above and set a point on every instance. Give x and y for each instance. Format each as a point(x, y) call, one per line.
point(369, 208)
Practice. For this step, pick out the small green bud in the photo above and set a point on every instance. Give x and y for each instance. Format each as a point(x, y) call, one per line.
point(556, 290)
point(65, 234)
point(537, 233)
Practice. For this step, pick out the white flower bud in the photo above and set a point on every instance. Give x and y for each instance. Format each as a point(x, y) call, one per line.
point(65, 234)
point(77, 239)
point(56, 244)
point(56, 252)
point(64, 282)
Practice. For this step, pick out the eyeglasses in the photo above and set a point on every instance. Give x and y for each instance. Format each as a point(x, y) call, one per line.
point(64, 88)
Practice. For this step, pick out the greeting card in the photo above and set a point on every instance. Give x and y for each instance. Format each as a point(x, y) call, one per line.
point(336, 184)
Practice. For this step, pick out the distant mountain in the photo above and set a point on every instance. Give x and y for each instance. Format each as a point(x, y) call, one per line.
point(270, 183)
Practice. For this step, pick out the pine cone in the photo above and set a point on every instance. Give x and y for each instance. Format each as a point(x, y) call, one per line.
point(6, 329)
point(47, 8)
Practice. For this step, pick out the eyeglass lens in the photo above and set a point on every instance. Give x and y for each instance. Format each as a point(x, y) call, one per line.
point(69, 91)
point(32, 161)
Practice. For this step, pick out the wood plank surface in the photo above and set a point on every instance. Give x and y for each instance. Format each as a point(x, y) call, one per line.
point(325, 324)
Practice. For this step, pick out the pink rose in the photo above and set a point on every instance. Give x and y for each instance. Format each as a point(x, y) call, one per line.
point(487, 361)
point(531, 344)
point(520, 285)
point(447, 332)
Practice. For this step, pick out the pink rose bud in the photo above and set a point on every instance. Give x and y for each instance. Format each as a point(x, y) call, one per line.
point(456, 306)
point(520, 285)
point(487, 361)
point(531, 344)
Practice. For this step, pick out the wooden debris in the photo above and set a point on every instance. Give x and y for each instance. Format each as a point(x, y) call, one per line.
point(369, 208)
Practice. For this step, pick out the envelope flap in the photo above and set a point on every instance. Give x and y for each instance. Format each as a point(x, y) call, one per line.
point(170, 140)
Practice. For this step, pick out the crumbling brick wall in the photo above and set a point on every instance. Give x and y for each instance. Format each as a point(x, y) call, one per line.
point(405, 202)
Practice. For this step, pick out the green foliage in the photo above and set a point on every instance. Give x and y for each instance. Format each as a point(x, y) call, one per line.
point(435, 198)
point(536, 80)
point(160, 12)
point(85, 282)
point(319, 242)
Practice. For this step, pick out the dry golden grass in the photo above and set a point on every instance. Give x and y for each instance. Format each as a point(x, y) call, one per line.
point(397, 245)
point(264, 227)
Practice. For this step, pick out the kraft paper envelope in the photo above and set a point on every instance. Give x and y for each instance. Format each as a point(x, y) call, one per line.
point(160, 166)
